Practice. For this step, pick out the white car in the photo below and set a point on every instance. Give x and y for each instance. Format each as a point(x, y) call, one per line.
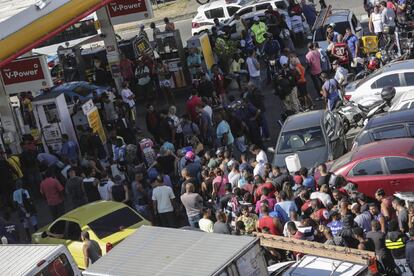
point(260, 5)
point(405, 101)
point(342, 20)
point(398, 74)
point(256, 8)
point(203, 21)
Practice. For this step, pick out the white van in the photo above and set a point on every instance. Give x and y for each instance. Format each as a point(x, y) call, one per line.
point(38, 260)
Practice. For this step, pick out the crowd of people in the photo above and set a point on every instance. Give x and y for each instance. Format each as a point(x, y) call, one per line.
point(205, 166)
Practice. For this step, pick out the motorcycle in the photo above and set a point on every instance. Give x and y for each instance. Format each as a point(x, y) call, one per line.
point(356, 115)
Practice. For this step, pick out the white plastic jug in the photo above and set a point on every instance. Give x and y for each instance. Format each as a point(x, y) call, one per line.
point(293, 163)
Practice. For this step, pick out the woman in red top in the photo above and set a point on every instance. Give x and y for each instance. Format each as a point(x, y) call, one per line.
point(273, 224)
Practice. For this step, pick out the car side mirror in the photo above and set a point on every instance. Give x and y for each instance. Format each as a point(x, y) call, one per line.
point(271, 150)
point(358, 29)
point(44, 234)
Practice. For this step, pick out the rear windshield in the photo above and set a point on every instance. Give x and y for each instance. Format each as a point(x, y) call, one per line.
point(341, 161)
point(114, 222)
point(340, 28)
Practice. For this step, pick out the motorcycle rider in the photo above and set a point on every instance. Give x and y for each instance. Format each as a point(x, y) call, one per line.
point(271, 50)
point(329, 91)
point(340, 76)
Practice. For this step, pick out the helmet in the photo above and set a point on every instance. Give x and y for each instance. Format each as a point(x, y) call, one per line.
point(388, 93)
point(189, 156)
point(373, 64)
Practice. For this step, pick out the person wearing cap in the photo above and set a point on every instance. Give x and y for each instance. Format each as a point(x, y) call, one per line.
point(341, 75)
point(258, 30)
point(331, 33)
point(329, 91)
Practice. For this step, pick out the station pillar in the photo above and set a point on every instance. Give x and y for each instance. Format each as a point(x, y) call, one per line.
point(111, 45)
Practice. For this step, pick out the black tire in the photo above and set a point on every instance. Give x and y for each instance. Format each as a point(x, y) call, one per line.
point(202, 2)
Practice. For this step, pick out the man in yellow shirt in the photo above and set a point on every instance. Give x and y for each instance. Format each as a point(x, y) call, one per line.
point(258, 30)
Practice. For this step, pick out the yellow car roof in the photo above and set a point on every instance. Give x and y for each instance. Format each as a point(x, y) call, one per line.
point(92, 211)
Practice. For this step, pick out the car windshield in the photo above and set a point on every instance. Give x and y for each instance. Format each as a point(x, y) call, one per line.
point(341, 161)
point(246, 2)
point(340, 28)
point(114, 222)
point(301, 140)
point(373, 75)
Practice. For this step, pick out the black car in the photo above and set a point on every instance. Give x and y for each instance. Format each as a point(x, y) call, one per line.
point(316, 136)
point(395, 124)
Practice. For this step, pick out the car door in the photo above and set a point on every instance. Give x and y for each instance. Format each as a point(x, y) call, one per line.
point(401, 173)
point(244, 11)
point(392, 79)
point(369, 175)
point(232, 10)
point(55, 233)
point(73, 241)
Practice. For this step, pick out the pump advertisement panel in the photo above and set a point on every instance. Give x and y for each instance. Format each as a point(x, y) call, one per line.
point(26, 74)
point(126, 11)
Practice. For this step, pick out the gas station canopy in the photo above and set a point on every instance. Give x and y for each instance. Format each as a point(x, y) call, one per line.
point(25, 24)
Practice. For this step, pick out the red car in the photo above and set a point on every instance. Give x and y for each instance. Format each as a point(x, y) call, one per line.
point(387, 164)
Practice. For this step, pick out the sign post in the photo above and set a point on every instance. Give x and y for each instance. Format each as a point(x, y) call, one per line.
point(26, 74)
point(125, 11)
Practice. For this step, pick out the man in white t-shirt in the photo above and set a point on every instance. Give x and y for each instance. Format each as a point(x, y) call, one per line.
point(163, 202)
point(254, 69)
point(260, 154)
point(129, 99)
point(127, 96)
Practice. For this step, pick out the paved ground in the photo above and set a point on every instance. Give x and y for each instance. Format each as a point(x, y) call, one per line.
point(272, 103)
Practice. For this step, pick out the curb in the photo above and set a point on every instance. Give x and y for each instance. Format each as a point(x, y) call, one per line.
point(146, 22)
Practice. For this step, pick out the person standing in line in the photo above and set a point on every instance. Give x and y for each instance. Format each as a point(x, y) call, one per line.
point(223, 132)
point(163, 202)
point(375, 25)
point(91, 249)
point(409, 250)
point(193, 204)
point(143, 77)
point(26, 209)
point(206, 224)
point(313, 59)
point(129, 100)
point(254, 68)
point(53, 191)
point(70, 151)
point(74, 189)
point(377, 238)
point(169, 26)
